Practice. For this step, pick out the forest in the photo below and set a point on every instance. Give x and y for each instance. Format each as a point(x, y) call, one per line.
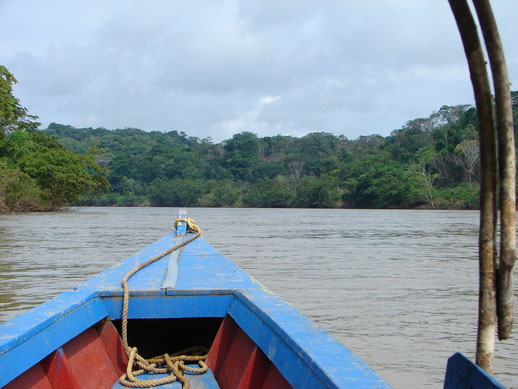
point(37, 173)
point(430, 162)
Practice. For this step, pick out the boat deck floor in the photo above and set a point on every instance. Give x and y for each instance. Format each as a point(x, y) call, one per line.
point(196, 381)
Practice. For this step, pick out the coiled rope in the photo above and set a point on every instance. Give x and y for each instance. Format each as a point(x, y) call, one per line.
point(165, 363)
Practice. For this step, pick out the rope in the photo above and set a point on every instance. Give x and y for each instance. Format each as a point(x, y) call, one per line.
point(165, 363)
point(191, 225)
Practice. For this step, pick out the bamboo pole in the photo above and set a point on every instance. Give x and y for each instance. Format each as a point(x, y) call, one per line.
point(507, 167)
point(488, 209)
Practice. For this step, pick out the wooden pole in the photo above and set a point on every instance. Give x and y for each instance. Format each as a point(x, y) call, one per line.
point(507, 167)
point(488, 209)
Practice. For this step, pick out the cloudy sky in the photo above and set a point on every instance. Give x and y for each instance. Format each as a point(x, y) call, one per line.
point(215, 68)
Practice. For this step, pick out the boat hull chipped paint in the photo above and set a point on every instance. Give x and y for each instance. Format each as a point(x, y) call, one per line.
point(194, 297)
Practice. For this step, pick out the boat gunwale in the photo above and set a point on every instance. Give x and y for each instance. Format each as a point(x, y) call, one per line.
point(323, 357)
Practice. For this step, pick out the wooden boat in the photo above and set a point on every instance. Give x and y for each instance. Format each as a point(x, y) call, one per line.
point(190, 297)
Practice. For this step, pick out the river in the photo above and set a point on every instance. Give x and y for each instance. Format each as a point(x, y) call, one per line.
point(397, 287)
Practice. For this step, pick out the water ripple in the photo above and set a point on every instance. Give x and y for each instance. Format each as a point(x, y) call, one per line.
point(399, 288)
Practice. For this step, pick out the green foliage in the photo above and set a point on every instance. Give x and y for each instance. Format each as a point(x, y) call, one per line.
point(18, 191)
point(36, 171)
point(270, 193)
point(178, 192)
point(321, 192)
point(464, 196)
point(429, 162)
point(242, 155)
point(377, 181)
point(12, 114)
point(220, 194)
point(62, 176)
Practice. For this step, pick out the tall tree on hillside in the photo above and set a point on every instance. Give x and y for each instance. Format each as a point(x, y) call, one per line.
point(12, 114)
point(468, 152)
point(421, 170)
point(488, 186)
point(242, 154)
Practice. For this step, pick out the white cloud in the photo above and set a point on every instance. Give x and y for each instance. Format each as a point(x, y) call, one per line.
point(216, 68)
point(269, 99)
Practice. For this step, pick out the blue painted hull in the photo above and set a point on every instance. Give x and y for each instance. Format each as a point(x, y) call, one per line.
point(198, 284)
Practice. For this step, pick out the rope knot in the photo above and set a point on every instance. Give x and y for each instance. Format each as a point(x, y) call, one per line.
point(192, 227)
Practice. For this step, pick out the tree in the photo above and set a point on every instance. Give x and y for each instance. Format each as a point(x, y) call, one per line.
point(295, 167)
point(62, 176)
point(319, 160)
point(489, 178)
point(507, 167)
point(451, 115)
point(320, 192)
point(242, 155)
point(425, 177)
point(175, 193)
point(12, 114)
point(37, 172)
point(225, 194)
point(407, 142)
point(468, 152)
point(487, 234)
point(270, 193)
point(18, 191)
point(376, 181)
point(128, 186)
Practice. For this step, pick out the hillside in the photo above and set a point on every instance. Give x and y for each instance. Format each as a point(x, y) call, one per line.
point(430, 162)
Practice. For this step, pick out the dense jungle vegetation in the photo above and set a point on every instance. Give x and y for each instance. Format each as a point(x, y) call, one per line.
point(37, 173)
point(430, 162)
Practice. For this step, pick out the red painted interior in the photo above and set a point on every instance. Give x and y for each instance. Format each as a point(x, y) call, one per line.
point(256, 370)
point(219, 349)
point(96, 359)
point(35, 377)
point(58, 372)
point(237, 362)
point(274, 379)
point(113, 345)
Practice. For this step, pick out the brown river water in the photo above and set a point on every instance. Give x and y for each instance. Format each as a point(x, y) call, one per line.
point(398, 288)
